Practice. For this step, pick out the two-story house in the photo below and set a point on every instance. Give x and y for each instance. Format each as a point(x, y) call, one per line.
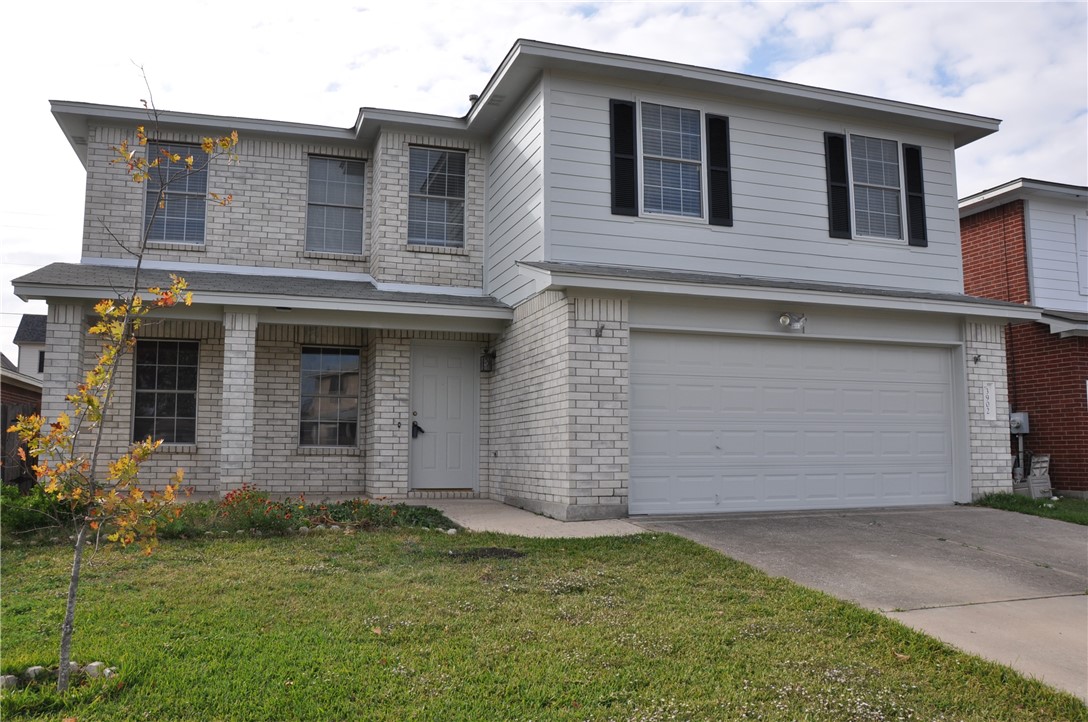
point(617, 285)
point(1026, 241)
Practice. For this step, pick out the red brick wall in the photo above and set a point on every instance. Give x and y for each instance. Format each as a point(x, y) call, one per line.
point(1047, 379)
point(12, 394)
point(1046, 373)
point(995, 254)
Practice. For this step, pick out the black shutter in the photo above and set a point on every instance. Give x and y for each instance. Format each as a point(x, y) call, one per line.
point(624, 161)
point(719, 179)
point(916, 196)
point(838, 185)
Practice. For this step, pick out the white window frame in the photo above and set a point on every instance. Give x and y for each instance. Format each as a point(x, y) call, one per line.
point(703, 179)
point(901, 190)
point(311, 348)
point(153, 187)
point(361, 207)
point(427, 243)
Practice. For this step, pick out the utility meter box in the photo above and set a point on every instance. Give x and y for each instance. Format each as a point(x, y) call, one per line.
point(1018, 423)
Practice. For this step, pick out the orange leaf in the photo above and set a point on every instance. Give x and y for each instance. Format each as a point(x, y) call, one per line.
point(377, 631)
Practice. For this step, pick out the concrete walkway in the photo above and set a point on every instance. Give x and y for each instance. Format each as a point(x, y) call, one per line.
point(489, 515)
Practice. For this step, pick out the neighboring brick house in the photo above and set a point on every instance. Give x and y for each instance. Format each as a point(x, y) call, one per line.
point(20, 395)
point(1026, 241)
point(617, 285)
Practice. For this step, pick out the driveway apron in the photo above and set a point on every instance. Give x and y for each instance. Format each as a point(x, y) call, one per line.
point(1008, 587)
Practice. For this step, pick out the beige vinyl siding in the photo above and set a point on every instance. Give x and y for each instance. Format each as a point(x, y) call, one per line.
point(515, 200)
point(779, 198)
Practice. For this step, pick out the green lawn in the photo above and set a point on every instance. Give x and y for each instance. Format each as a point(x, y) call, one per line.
point(391, 626)
point(1063, 509)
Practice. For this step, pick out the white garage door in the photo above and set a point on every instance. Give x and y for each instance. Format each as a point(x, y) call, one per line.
point(750, 424)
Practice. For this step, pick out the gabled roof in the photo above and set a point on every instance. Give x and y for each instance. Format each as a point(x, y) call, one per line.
point(31, 329)
point(6, 364)
point(1019, 189)
point(517, 72)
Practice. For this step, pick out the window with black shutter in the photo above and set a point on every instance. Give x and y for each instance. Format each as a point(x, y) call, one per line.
point(719, 180)
point(838, 185)
point(916, 196)
point(624, 162)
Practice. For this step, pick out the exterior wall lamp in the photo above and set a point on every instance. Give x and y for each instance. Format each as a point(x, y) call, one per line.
point(487, 360)
point(792, 321)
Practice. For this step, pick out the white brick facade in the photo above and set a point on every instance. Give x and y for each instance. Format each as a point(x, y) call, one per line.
point(559, 424)
point(991, 464)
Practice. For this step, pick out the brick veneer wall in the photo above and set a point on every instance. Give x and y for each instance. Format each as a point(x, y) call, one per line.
point(1046, 373)
point(995, 254)
point(280, 465)
point(393, 259)
point(200, 461)
point(264, 226)
point(559, 414)
point(1048, 376)
point(991, 462)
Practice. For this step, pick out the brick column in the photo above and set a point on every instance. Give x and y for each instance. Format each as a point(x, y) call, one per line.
point(389, 417)
point(64, 343)
point(599, 340)
point(239, 354)
point(991, 463)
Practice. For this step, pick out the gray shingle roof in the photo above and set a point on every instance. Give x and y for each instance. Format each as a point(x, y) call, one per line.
point(119, 280)
point(31, 329)
point(6, 363)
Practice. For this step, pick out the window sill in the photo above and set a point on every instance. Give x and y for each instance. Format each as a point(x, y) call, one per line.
point(171, 246)
point(330, 451)
point(358, 257)
point(178, 449)
point(443, 250)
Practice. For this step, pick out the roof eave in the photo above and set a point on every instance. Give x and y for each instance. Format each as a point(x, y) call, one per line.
point(1018, 189)
point(1009, 312)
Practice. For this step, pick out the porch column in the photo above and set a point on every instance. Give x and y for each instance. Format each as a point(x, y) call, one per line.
point(239, 353)
point(991, 456)
point(389, 417)
point(64, 343)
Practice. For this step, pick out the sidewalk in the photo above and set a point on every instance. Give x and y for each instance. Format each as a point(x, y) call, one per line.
point(490, 515)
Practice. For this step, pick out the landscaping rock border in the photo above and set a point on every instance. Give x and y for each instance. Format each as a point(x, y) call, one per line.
point(38, 674)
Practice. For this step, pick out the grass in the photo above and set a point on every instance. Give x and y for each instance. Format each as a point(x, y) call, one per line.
point(391, 625)
point(1063, 509)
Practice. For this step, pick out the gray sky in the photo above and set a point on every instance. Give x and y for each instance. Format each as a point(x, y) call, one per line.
point(318, 62)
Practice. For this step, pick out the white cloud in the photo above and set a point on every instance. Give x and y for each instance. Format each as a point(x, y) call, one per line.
point(318, 62)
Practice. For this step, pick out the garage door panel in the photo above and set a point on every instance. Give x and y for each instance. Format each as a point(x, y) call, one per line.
point(849, 425)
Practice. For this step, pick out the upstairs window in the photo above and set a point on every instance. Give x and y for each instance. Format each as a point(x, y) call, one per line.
point(872, 191)
point(436, 197)
point(329, 399)
point(874, 164)
point(661, 157)
point(165, 396)
point(672, 161)
point(334, 214)
point(181, 217)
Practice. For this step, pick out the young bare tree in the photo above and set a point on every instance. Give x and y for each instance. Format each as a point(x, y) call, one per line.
point(105, 495)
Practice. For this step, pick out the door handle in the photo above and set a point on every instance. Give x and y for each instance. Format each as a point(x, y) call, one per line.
point(417, 430)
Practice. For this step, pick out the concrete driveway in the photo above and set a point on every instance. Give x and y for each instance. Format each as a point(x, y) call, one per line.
point(1005, 586)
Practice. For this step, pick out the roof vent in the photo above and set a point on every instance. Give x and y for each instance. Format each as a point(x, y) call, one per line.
point(473, 98)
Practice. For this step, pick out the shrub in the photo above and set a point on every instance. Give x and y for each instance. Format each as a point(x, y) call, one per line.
point(249, 508)
point(33, 511)
point(194, 519)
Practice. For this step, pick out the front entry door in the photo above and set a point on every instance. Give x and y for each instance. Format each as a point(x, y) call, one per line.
point(445, 391)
